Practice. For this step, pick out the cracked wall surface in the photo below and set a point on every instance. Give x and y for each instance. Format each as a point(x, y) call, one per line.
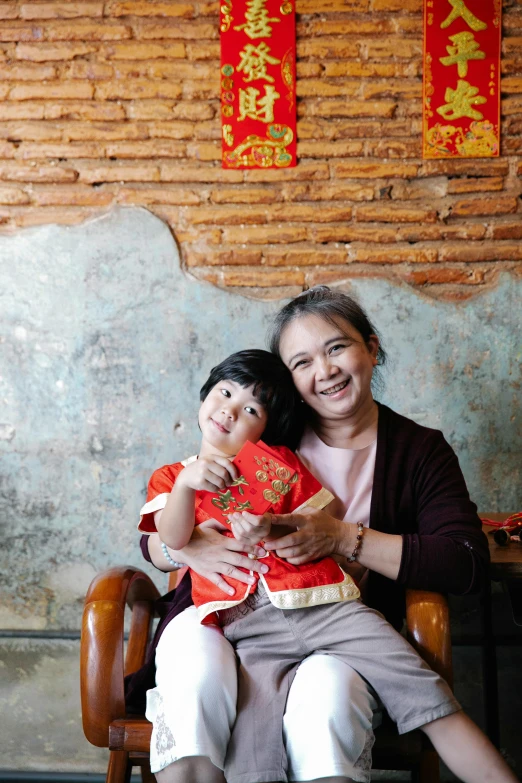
point(105, 343)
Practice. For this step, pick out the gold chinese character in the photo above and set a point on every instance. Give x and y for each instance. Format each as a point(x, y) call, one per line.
point(224, 501)
point(253, 107)
point(460, 102)
point(255, 60)
point(459, 9)
point(240, 482)
point(465, 49)
point(257, 23)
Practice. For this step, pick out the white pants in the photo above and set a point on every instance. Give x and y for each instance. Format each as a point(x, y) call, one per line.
point(327, 725)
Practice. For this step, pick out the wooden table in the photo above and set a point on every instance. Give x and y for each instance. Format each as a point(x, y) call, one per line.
point(506, 567)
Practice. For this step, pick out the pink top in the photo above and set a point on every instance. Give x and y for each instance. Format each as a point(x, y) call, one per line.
point(348, 474)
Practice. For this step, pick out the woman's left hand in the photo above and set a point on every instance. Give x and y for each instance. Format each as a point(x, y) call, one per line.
point(317, 535)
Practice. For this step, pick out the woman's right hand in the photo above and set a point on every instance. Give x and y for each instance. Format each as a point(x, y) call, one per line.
point(215, 556)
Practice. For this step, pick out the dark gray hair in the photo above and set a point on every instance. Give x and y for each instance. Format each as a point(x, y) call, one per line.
point(329, 305)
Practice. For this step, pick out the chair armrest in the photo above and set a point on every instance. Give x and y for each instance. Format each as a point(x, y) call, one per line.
point(101, 648)
point(428, 623)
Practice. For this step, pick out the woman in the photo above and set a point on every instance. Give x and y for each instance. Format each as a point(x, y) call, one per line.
point(401, 480)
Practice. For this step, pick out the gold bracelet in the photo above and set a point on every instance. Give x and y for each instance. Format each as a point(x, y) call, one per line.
point(360, 533)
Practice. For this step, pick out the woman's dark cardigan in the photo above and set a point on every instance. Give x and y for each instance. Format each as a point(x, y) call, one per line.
point(419, 492)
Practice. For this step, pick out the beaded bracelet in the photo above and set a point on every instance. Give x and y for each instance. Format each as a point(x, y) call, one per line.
point(168, 557)
point(360, 533)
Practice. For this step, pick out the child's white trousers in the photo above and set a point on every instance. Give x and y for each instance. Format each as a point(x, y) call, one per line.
point(327, 725)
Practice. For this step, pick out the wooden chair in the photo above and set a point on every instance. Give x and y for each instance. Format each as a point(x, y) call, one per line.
point(103, 667)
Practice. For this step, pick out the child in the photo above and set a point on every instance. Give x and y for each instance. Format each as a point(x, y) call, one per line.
point(247, 397)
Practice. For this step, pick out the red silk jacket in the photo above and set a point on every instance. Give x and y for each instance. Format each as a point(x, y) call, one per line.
point(288, 586)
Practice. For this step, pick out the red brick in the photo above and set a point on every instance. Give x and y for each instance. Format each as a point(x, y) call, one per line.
point(358, 69)
point(475, 184)
point(392, 47)
point(209, 151)
point(155, 148)
point(373, 170)
point(16, 31)
point(28, 151)
point(232, 257)
point(506, 230)
point(21, 111)
point(467, 230)
point(64, 90)
point(403, 6)
point(429, 188)
point(89, 110)
point(44, 52)
point(485, 251)
point(86, 70)
point(17, 72)
point(170, 130)
point(330, 6)
point(4, 91)
point(201, 90)
point(13, 196)
point(30, 131)
point(360, 26)
point(395, 148)
point(108, 131)
point(243, 195)
point(153, 195)
point(265, 235)
point(136, 89)
point(512, 44)
point(392, 88)
point(326, 108)
point(23, 172)
point(181, 71)
point(340, 191)
point(60, 215)
point(394, 255)
point(68, 10)
point(440, 275)
point(263, 278)
point(173, 172)
point(334, 149)
point(327, 48)
point(195, 31)
point(8, 10)
point(205, 51)
point(78, 30)
point(304, 171)
point(137, 8)
point(394, 214)
point(71, 196)
point(304, 257)
point(118, 172)
point(489, 167)
point(499, 205)
point(353, 234)
point(225, 216)
point(179, 110)
point(298, 213)
point(143, 51)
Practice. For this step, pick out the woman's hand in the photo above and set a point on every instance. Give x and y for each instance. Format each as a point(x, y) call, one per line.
point(250, 529)
point(214, 556)
point(317, 535)
point(210, 473)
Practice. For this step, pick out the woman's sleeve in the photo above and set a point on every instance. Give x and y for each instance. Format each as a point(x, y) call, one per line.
point(144, 546)
point(449, 553)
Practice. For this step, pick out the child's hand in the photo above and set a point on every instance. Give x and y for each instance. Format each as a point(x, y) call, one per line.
point(250, 529)
point(209, 473)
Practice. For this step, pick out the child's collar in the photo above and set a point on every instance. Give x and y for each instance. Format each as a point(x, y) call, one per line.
point(188, 461)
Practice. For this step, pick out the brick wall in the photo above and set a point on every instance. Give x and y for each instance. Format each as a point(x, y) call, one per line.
point(116, 102)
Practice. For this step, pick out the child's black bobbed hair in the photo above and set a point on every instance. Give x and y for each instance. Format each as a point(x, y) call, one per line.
point(273, 387)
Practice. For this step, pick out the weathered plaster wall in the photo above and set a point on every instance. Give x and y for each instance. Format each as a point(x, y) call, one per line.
point(105, 344)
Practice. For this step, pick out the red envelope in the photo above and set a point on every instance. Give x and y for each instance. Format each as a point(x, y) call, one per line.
point(264, 478)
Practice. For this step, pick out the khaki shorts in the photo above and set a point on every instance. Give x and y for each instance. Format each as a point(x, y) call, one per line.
point(270, 644)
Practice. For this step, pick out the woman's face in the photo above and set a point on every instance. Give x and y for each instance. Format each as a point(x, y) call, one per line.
point(331, 365)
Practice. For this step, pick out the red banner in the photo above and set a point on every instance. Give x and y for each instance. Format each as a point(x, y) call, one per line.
point(258, 116)
point(461, 85)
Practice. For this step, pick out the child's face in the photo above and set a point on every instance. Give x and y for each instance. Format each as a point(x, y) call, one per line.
point(229, 416)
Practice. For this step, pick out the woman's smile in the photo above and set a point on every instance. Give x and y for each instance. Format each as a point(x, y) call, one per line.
point(334, 392)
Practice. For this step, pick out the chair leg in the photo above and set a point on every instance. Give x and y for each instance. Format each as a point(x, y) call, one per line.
point(428, 769)
point(119, 769)
point(146, 774)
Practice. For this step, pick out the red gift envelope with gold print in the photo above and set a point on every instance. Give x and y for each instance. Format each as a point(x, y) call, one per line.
point(264, 481)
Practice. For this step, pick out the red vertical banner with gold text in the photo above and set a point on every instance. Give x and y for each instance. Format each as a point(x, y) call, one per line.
point(258, 116)
point(461, 84)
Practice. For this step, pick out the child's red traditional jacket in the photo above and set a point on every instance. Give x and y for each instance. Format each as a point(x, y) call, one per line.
point(288, 586)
